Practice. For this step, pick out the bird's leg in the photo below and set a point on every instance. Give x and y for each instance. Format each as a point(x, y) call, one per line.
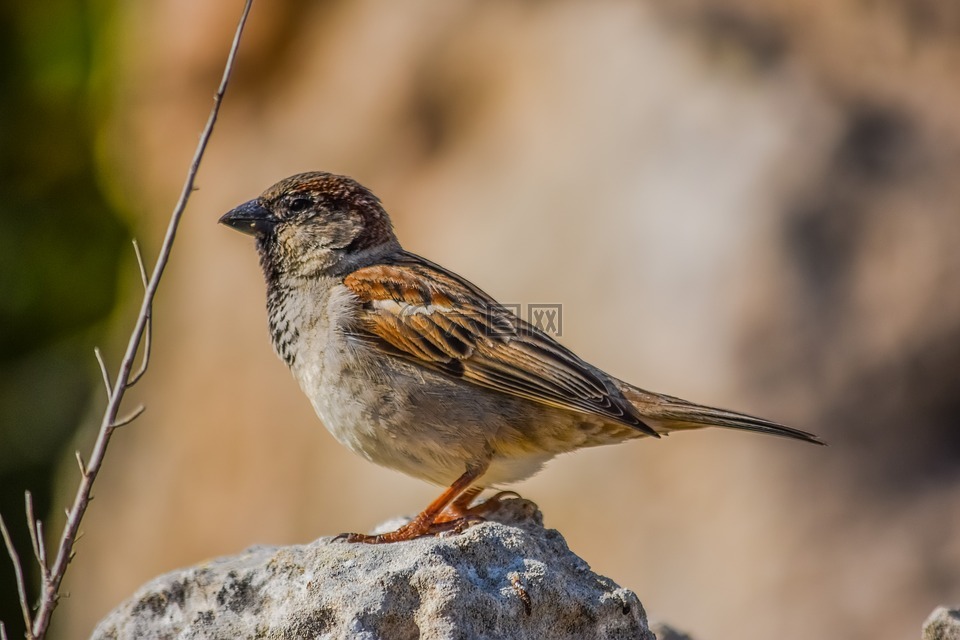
point(426, 523)
point(463, 506)
point(459, 507)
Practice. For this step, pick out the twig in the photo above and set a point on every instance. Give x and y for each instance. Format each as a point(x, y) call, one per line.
point(18, 573)
point(50, 590)
point(36, 535)
point(148, 333)
point(143, 268)
point(80, 463)
point(127, 419)
point(103, 371)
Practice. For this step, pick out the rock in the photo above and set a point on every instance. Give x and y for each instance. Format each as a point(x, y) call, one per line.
point(504, 578)
point(943, 624)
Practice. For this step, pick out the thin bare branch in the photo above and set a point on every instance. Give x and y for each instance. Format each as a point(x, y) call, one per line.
point(147, 344)
point(80, 463)
point(103, 371)
point(143, 269)
point(42, 557)
point(148, 331)
point(35, 526)
point(31, 522)
point(130, 417)
point(109, 421)
point(3, 632)
point(18, 573)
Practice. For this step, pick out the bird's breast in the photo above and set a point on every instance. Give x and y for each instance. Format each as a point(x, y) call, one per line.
point(347, 386)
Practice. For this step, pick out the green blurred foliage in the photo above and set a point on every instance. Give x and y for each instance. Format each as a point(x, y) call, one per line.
point(60, 245)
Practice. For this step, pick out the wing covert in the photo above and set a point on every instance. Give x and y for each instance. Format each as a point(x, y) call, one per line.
point(423, 313)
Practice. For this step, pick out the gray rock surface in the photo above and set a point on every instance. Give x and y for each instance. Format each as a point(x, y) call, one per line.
point(505, 578)
point(943, 624)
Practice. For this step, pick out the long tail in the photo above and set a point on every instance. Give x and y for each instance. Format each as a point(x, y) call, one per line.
point(666, 414)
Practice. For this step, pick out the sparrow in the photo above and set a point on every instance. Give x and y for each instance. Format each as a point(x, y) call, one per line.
point(415, 368)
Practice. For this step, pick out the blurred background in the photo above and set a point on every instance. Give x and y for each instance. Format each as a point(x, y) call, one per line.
point(747, 204)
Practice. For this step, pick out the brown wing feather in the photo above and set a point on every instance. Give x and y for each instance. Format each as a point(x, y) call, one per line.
point(421, 312)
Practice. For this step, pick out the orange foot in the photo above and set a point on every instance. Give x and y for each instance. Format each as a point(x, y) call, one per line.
point(463, 506)
point(413, 530)
point(434, 520)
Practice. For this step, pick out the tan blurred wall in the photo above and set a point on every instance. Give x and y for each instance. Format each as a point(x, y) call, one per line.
point(637, 164)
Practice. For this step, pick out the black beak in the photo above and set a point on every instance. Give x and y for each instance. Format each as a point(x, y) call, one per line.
point(251, 218)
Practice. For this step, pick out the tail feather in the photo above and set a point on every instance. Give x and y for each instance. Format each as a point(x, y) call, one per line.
point(666, 414)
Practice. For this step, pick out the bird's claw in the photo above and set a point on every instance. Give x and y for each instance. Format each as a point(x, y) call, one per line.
point(413, 530)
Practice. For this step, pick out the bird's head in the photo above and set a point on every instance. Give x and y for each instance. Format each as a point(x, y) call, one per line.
point(314, 222)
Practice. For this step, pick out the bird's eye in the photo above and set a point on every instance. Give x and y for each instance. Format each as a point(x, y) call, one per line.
point(299, 204)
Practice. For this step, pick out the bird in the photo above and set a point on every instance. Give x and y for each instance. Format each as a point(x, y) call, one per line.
point(415, 368)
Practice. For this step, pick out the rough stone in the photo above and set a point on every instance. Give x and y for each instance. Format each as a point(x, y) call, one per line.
point(508, 577)
point(943, 624)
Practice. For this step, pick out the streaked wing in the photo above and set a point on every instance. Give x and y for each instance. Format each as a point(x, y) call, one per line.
point(421, 312)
